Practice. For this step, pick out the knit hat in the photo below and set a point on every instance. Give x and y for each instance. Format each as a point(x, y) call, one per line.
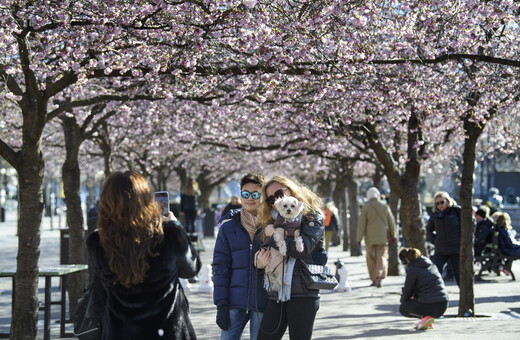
point(373, 192)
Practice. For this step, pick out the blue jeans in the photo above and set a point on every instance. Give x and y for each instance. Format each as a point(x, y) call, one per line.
point(238, 320)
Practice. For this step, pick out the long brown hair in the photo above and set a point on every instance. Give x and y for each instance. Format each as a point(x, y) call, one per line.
point(129, 224)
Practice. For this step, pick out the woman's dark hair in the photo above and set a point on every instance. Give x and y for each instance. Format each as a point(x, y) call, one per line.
point(258, 179)
point(406, 255)
point(130, 225)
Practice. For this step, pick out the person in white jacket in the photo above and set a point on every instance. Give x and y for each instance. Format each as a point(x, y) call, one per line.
point(377, 226)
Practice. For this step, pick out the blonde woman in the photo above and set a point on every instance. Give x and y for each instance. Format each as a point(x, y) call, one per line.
point(443, 230)
point(294, 306)
point(507, 244)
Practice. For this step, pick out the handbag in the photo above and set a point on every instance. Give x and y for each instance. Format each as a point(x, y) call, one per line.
point(318, 276)
point(86, 321)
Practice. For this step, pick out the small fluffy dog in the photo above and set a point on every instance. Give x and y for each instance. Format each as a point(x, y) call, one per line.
point(289, 218)
point(342, 277)
point(288, 221)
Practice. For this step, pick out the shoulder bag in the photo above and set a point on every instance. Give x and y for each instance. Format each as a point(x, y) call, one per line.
point(86, 321)
point(318, 276)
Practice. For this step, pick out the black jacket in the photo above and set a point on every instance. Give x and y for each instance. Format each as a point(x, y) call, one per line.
point(443, 230)
point(156, 308)
point(423, 282)
point(312, 232)
point(483, 234)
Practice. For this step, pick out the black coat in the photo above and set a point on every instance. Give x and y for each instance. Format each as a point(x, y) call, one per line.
point(423, 282)
point(156, 308)
point(483, 234)
point(443, 230)
point(312, 232)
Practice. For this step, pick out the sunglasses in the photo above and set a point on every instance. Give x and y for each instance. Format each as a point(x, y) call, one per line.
point(277, 194)
point(254, 195)
point(439, 203)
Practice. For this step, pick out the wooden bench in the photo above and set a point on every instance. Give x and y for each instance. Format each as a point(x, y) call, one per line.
point(493, 260)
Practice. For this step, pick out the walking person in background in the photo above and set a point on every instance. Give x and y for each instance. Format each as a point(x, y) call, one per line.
point(444, 231)
point(189, 204)
point(424, 295)
point(137, 260)
point(234, 203)
point(330, 221)
point(294, 306)
point(238, 289)
point(377, 226)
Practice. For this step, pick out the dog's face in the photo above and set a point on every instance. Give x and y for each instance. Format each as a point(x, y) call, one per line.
point(288, 206)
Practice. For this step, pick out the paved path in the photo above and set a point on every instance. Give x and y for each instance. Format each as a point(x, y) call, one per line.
point(365, 312)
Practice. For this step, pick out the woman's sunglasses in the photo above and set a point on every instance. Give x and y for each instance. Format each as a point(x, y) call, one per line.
point(254, 195)
point(277, 194)
point(439, 203)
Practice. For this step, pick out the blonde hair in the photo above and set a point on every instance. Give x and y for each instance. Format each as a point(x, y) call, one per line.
point(449, 201)
point(311, 202)
point(503, 221)
point(409, 254)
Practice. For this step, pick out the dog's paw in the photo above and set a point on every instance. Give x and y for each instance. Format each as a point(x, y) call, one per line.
point(282, 248)
point(299, 244)
point(269, 230)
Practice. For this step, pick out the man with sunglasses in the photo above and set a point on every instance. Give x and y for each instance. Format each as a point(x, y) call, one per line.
point(238, 288)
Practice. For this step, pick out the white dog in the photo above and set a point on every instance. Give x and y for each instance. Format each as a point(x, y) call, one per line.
point(287, 222)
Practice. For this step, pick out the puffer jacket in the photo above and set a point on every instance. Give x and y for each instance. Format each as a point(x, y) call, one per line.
point(443, 230)
point(237, 283)
point(312, 232)
point(423, 282)
point(156, 308)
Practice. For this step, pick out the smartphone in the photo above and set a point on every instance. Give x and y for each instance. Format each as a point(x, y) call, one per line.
point(163, 197)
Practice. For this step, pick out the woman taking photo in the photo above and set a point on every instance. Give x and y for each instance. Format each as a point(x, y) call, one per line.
point(298, 310)
point(424, 294)
point(443, 230)
point(137, 261)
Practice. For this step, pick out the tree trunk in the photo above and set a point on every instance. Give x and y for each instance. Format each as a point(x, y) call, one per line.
point(71, 187)
point(393, 262)
point(405, 185)
point(472, 131)
point(339, 199)
point(352, 189)
point(25, 313)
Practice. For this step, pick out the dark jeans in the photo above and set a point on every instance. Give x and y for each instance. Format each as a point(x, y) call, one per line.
point(297, 313)
point(414, 309)
point(454, 259)
point(189, 219)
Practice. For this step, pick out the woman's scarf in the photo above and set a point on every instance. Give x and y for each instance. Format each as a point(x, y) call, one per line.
point(249, 222)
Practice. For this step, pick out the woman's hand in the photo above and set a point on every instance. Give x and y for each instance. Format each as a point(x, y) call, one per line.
point(262, 258)
point(170, 217)
point(269, 230)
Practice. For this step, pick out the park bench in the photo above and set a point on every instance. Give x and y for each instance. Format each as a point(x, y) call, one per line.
point(494, 260)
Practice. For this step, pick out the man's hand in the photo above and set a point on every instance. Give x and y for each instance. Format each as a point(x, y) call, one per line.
point(223, 317)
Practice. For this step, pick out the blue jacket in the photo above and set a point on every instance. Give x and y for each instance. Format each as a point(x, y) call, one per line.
point(237, 283)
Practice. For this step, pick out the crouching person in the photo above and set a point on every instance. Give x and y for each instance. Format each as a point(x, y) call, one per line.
point(424, 293)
